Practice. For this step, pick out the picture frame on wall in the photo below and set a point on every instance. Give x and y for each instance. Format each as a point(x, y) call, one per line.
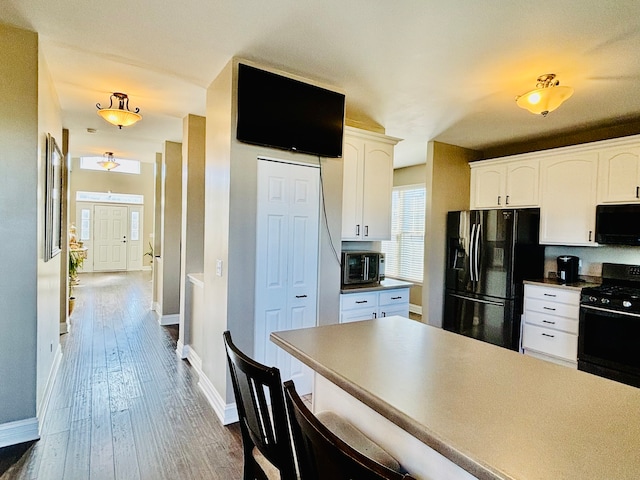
point(53, 200)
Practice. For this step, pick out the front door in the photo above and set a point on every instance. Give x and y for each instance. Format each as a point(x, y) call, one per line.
point(110, 238)
point(286, 261)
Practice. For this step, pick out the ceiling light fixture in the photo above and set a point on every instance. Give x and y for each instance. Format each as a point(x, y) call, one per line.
point(546, 97)
point(109, 163)
point(121, 116)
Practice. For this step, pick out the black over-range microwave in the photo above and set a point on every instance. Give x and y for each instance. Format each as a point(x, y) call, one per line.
point(618, 224)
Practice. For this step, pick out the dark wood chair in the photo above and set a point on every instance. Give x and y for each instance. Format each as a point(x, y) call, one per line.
point(263, 419)
point(322, 455)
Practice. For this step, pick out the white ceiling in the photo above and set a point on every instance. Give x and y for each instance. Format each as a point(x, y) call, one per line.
point(447, 70)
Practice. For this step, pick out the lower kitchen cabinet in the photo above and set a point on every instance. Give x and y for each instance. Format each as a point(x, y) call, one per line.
point(374, 304)
point(550, 323)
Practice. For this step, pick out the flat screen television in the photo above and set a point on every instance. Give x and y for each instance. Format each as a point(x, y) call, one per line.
point(284, 113)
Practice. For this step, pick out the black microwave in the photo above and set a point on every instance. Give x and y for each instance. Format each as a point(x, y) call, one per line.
point(618, 224)
point(362, 268)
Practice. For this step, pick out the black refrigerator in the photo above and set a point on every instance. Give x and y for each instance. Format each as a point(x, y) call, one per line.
point(489, 254)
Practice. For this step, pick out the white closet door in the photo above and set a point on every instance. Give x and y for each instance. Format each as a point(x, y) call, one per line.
point(286, 261)
point(110, 241)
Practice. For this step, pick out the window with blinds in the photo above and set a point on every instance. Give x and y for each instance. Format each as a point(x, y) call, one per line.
point(404, 253)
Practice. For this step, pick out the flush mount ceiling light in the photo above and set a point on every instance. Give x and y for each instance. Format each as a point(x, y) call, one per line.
point(546, 97)
point(121, 116)
point(109, 163)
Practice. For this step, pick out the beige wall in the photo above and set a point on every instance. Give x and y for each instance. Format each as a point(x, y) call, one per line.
point(448, 181)
point(413, 175)
point(116, 182)
point(230, 222)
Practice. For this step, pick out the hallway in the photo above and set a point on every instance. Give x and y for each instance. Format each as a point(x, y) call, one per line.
point(124, 406)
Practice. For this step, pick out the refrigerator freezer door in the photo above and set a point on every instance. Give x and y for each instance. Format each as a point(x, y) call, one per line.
point(484, 319)
point(493, 253)
point(460, 236)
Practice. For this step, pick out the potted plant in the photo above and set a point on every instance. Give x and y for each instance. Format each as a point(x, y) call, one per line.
point(76, 259)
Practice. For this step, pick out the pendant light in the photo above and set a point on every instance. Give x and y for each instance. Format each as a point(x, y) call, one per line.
point(546, 97)
point(121, 116)
point(109, 163)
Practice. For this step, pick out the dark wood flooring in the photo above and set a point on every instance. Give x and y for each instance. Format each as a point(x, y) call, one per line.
point(124, 406)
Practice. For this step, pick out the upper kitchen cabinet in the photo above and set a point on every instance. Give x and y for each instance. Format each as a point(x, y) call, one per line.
point(568, 199)
point(367, 185)
point(619, 175)
point(504, 184)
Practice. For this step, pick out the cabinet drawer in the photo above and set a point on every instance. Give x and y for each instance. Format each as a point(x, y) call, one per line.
point(552, 308)
point(358, 300)
point(551, 342)
point(560, 295)
point(394, 297)
point(565, 324)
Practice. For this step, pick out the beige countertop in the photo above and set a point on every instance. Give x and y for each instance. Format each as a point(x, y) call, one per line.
point(554, 282)
point(387, 284)
point(494, 412)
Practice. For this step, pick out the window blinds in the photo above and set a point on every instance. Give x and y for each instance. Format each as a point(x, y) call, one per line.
point(404, 253)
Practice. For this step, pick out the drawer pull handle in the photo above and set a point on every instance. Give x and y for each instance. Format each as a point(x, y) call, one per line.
point(550, 295)
point(549, 308)
point(547, 321)
point(547, 335)
point(396, 298)
point(362, 301)
point(301, 296)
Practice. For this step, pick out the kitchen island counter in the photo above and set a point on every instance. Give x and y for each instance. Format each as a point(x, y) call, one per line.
point(493, 412)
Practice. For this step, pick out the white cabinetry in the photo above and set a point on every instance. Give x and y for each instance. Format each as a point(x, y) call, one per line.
point(367, 184)
point(377, 304)
point(619, 175)
point(568, 199)
point(508, 184)
point(550, 324)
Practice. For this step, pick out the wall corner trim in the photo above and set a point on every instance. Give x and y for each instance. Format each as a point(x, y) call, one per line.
point(20, 431)
point(182, 350)
point(43, 408)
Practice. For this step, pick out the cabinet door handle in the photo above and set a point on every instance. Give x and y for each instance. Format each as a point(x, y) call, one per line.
point(549, 308)
point(506, 200)
point(589, 235)
point(396, 298)
point(301, 296)
point(547, 335)
point(366, 230)
point(547, 321)
point(550, 295)
point(638, 192)
point(375, 315)
point(384, 314)
point(499, 197)
point(357, 230)
point(362, 301)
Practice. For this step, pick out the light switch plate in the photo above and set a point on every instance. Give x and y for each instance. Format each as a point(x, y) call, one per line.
point(219, 267)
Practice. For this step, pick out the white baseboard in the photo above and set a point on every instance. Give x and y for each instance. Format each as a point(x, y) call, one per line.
point(182, 350)
point(415, 308)
point(20, 431)
point(173, 319)
point(226, 413)
point(43, 408)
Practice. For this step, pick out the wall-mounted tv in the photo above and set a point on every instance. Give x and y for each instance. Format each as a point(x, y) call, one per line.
point(284, 113)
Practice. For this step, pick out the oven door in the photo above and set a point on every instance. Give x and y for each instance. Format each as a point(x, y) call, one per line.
point(608, 344)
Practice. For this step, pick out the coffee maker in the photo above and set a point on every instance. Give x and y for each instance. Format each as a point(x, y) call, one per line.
point(568, 268)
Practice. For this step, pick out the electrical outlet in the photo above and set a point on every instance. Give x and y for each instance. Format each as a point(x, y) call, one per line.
point(219, 268)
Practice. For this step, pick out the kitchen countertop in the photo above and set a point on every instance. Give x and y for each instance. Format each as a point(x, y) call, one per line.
point(494, 412)
point(554, 282)
point(387, 284)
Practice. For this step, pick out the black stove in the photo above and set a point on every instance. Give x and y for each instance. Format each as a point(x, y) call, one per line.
point(609, 327)
point(620, 289)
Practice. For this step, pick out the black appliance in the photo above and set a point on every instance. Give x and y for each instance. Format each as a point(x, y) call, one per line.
point(568, 268)
point(362, 268)
point(618, 224)
point(609, 327)
point(489, 254)
point(284, 113)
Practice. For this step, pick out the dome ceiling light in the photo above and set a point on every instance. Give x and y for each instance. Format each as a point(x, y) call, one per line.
point(109, 163)
point(546, 97)
point(121, 116)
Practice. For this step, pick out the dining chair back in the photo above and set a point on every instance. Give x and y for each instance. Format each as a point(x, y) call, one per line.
point(324, 456)
point(263, 420)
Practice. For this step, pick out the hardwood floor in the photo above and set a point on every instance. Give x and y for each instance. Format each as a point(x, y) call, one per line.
point(124, 406)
